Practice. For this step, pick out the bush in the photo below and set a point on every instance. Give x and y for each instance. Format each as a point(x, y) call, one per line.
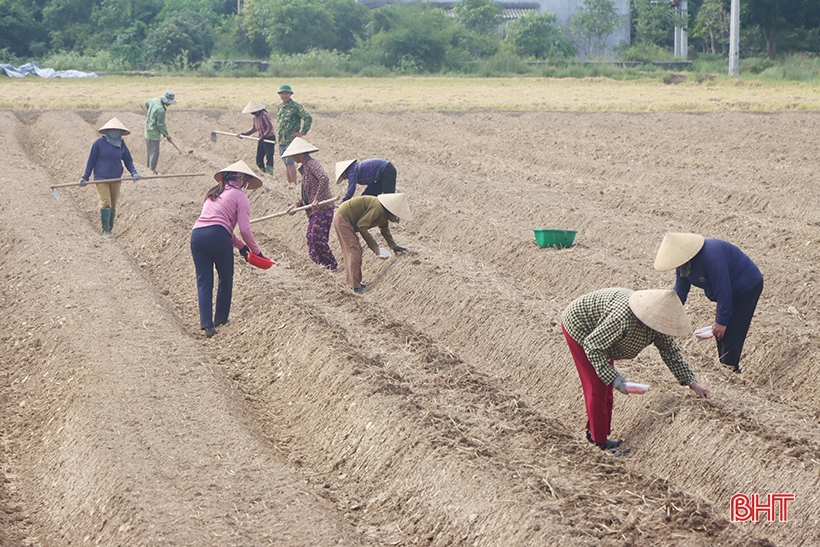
point(644, 52)
point(181, 40)
point(533, 35)
point(755, 65)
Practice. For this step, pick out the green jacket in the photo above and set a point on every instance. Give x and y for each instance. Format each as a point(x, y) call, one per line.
point(155, 126)
point(365, 212)
point(289, 117)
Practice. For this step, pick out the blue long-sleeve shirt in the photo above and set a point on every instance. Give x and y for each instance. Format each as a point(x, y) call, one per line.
point(723, 271)
point(106, 160)
point(363, 172)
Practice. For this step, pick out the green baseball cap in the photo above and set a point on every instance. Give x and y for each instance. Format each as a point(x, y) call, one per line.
point(285, 88)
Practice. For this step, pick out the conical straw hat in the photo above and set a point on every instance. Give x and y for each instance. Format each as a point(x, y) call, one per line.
point(114, 123)
point(677, 249)
point(341, 167)
point(240, 167)
point(661, 310)
point(298, 146)
point(396, 204)
point(253, 106)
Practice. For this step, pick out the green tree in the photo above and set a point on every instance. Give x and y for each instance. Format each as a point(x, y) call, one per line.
point(297, 26)
point(69, 23)
point(652, 23)
point(712, 26)
point(410, 38)
point(350, 20)
point(482, 16)
point(181, 39)
point(21, 29)
point(592, 25)
point(533, 35)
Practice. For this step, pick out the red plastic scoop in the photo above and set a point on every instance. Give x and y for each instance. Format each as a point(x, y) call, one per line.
point(262, 262)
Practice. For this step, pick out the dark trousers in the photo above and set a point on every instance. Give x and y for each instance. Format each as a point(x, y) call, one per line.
point(743, 309)
point(212, 246)
point(264, 152)
point(385, 183)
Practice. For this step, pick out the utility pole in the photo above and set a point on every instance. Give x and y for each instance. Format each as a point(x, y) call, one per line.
point(681, 32)
point(238, 7)
point(734, 38)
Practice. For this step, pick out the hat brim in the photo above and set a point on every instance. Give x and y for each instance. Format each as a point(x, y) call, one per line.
point(396, 204)
point(677, 249)
point(123, 131)
point(254, 182)
point(298, 146)
point(342, 167)
point(661, 311)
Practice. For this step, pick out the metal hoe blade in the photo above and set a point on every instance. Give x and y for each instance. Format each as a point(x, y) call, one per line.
point(213, 136)
point(56, 194)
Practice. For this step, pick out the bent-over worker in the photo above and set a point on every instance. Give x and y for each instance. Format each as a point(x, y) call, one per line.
point(357, 216)
point(378, 175)
point(213, 241)
point(611, 324)
point(726, 275)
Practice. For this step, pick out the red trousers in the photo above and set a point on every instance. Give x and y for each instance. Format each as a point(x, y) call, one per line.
point(597, 395)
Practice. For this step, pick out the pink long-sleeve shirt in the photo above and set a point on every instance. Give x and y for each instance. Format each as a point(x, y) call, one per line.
point(229, 209)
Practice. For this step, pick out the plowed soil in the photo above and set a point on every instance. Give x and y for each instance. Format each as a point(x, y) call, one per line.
point(442, 407)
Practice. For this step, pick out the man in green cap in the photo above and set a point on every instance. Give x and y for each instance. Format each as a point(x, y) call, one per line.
point(155, 127)
point(294, 121)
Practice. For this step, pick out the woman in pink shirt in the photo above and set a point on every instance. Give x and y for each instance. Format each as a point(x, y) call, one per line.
point(213, 240)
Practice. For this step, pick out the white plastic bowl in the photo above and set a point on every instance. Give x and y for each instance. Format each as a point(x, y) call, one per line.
point(634, 388)
point(384, 253)
point(704, 333)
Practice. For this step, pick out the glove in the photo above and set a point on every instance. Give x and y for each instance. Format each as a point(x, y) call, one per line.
point(260, 255)
point(620, 384)
point(244, 252)
point(83, 181)
point(136, 176)
point(239, 135)
point(399, 249)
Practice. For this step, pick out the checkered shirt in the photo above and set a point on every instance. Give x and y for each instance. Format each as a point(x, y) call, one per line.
point(605, 326)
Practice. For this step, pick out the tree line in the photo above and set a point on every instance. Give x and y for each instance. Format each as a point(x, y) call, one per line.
point(407, 37)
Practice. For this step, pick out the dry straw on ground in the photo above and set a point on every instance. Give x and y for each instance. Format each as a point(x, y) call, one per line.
point(442, 408)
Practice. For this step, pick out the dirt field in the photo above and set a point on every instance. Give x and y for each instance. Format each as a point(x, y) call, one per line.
point(442, 407)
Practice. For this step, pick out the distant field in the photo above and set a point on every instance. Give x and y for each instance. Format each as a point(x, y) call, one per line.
point(433, 93)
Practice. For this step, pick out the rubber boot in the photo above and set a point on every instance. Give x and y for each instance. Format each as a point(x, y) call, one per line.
point(105, 217)
point(111, 220)
point(269, 169)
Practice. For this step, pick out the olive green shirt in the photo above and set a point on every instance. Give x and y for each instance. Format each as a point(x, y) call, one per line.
point(605, 326)
point(155, 126)
point(290, 117)
point(365, 212)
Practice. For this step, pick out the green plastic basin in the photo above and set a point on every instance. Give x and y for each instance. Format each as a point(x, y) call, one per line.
point(546, 237)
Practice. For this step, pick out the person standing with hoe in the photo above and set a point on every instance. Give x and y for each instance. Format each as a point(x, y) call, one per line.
point(315, 188)
point(107, 156)
point(294, 121)
point(155, 127)
point(263, 125)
